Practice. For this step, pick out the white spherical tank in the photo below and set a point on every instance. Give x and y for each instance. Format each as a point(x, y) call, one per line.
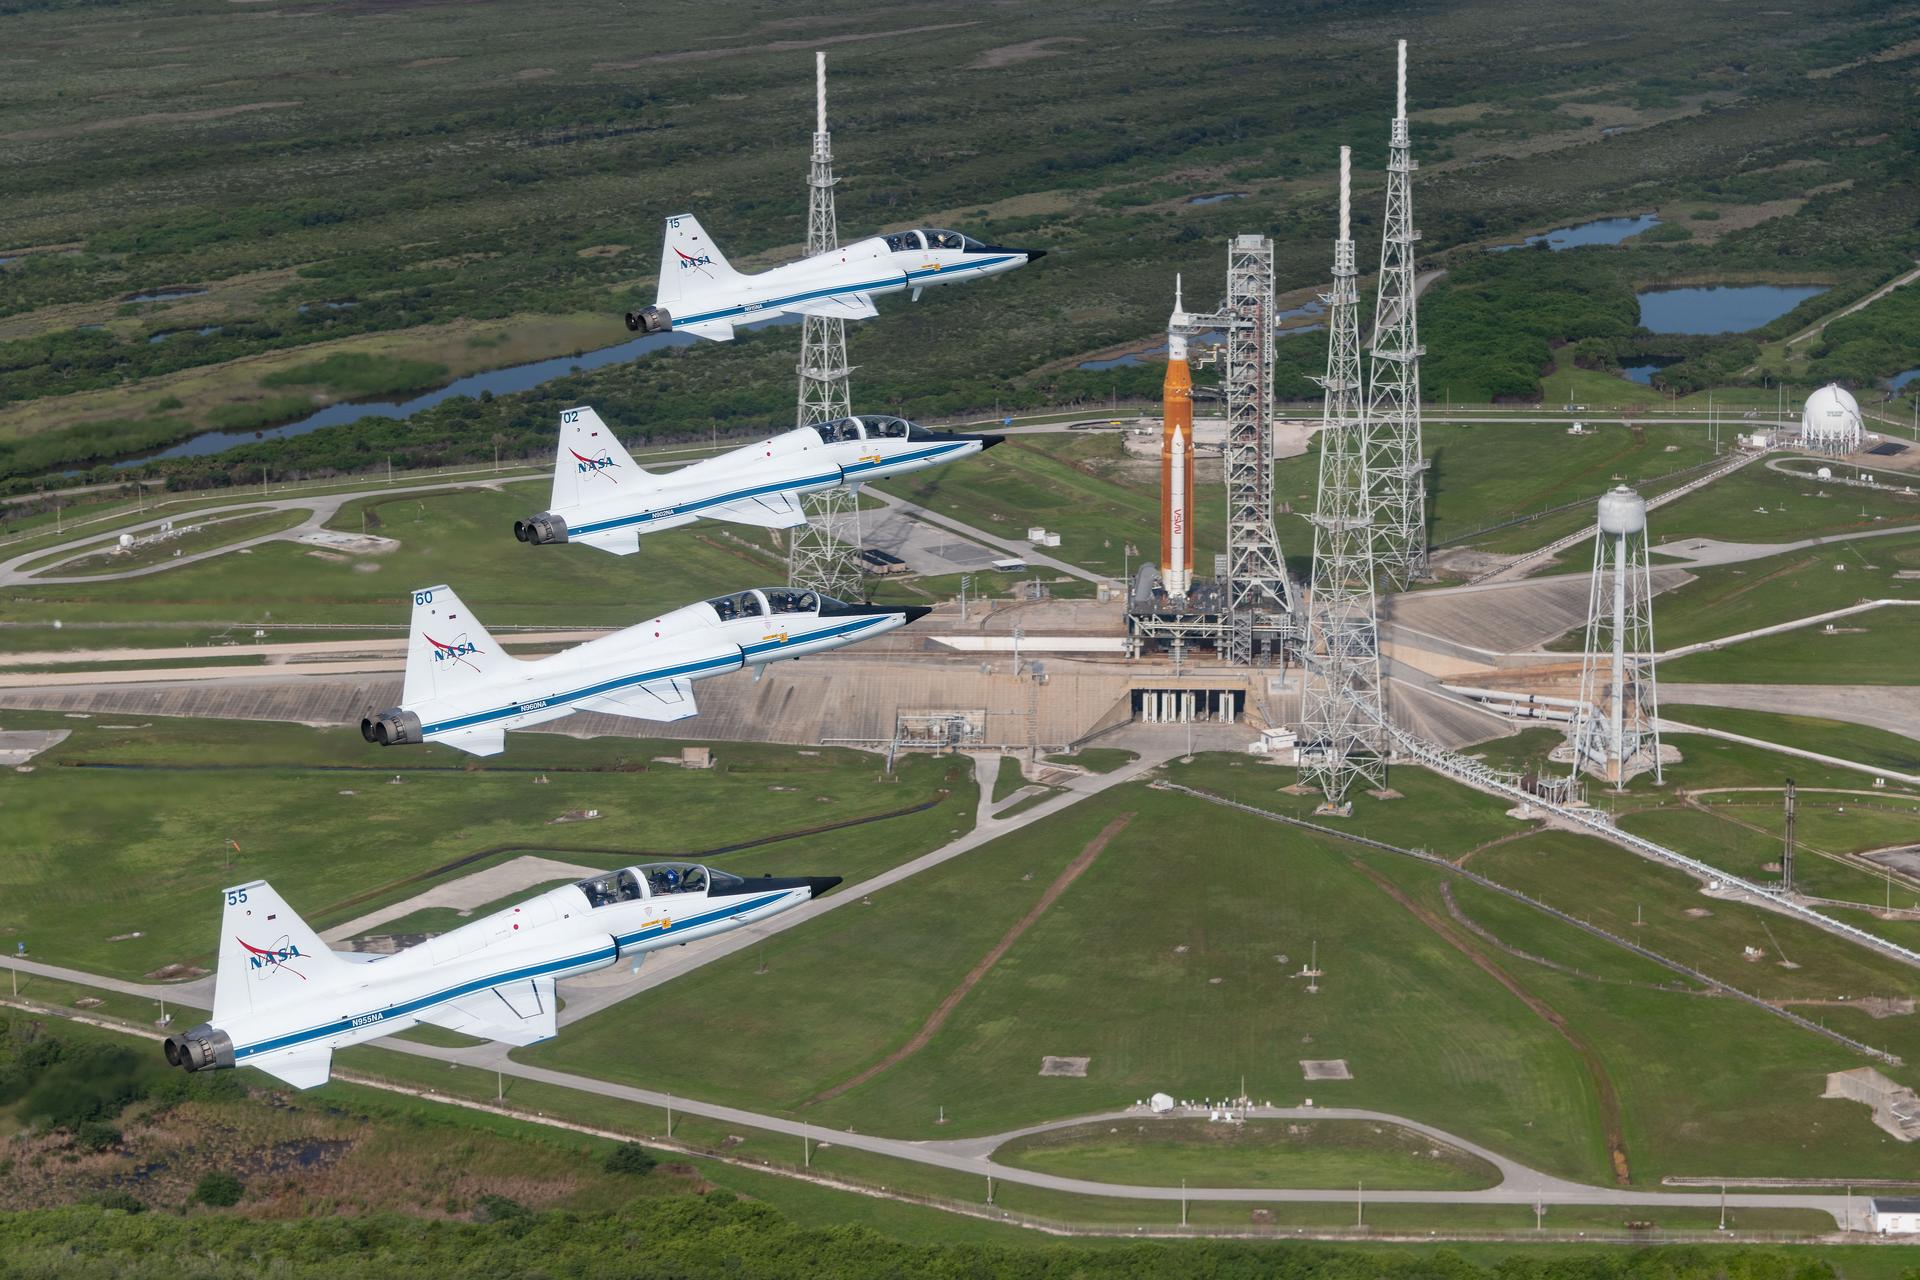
point(1831, 420)
point(1622, 511)
point(126, 540)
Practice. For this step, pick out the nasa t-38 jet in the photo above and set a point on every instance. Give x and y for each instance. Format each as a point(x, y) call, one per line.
point(702, 295)
point(601, 498)
point(283, 1001)
point(461, 689)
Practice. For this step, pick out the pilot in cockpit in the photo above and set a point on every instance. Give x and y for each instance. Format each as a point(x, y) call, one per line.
point(665, 880)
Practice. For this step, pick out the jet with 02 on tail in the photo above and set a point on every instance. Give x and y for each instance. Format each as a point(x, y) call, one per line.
point(463, 690)
point(603, 499)
point(701, 294)
point(283, 1001)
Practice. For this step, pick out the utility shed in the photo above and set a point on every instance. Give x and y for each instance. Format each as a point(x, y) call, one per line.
point(1896, 1216)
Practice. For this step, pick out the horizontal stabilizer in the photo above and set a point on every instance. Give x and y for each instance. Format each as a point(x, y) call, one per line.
point(841, 306)
point(476, 742)
point(621, 542)
point(661, 700)
point(769, 510)
point(717, 330)
point(515, 1013)
point(304, 1069)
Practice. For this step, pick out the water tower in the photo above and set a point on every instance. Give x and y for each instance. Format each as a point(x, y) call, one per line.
point(1615, 728)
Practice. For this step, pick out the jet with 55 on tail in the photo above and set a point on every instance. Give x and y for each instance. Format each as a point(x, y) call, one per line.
point(701, 294)
point(603, 499)
point(463, 690)
point(283, 1001)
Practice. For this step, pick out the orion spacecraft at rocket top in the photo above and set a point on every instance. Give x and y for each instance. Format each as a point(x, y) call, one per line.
point(1176, 458)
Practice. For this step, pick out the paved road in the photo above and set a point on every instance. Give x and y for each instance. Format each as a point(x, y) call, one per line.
point(320, 508)
point(1008, 546)
point(1820, 326)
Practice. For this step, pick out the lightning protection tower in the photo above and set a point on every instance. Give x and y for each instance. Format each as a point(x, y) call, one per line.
point(1394, 452)
point(1258, 596)
point(823, 554)
point(1341, 698)
point(1616, 722)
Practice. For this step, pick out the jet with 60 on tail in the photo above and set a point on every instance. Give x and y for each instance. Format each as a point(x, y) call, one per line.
point(283, 1001)
point(701, 294)
point(463, 690)
point(603, 499)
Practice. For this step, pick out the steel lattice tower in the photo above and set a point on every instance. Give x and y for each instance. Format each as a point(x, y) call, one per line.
point(823, 554)
point(1341, 711)
point(1256, 571)
point(1394, 453)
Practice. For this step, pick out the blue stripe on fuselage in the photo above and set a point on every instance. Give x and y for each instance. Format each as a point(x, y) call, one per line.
point(606, 954)
point(776, 304)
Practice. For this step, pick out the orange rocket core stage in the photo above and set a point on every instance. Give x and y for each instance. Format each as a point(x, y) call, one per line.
point(1176, 481)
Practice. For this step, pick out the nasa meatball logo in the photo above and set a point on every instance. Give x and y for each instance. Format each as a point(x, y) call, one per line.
point(602, 465)
point(459, 651)
point(691, 262)
point(280, 957)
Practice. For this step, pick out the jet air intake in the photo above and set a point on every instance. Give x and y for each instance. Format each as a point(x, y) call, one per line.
point(650, 320)
point(201, 1049)
point(543, 528)
point(392, 727)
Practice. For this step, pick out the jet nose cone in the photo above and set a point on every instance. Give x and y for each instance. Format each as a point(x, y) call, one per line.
point(1034, 255)
point(915, 612)
point(818, 885)
point(987, 442)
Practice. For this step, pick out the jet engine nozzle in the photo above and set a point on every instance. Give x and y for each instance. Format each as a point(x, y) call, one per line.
point(392, 727)
point(200, 1049)
point(545, 527)
point(650, 320)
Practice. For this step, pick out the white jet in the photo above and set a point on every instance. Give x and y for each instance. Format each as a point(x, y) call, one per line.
point(603, 499)
point(461, 689)
point(283, 1001)
point(702, 295)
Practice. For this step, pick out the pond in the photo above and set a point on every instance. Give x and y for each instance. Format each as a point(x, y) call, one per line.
point(1721, 308)
point(166, 295)
point(1599, 231)
point(164, 334)
point(1898, 382)
point(1643, 373)
point(1216, 197)
point(519, 377)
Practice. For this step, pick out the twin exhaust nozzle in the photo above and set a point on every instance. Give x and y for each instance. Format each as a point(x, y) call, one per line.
point(200, 1049)
point(543, 528)
point(649, 320)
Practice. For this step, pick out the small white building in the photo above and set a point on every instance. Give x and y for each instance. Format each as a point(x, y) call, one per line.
point(1896, 1216)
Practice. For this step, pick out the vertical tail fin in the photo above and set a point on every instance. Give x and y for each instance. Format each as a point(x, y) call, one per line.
point(691, 264)
point(268, 954)
point(448, 651)
point(590, 463)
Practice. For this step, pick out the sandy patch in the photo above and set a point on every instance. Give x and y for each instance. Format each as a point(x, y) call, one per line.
point(1450, 115)
point(151, 117)
point(534, 73)
point(773, 46)
point(1325, 1069)
point(429, 62)
point(1026, 51)
point(1074, 1067)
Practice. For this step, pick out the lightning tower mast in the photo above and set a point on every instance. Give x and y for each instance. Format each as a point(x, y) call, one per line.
point(823, 554)
point(1340, 708)
point(1394, 452)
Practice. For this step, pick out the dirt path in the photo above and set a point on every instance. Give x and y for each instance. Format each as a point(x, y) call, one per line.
point(939, 1017)
point(1461, 861)
point(1596, 1069)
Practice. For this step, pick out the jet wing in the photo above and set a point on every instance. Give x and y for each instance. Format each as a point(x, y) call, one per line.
point(303, 1069)
point(769, 510)
point(513, 1013)
point(477, 742)
point(658, 700)
point(843, 306)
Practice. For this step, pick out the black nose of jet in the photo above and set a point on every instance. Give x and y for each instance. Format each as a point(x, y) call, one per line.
point(987, 442)
point(1034, 255)
point(820, 884)
point(915, 612)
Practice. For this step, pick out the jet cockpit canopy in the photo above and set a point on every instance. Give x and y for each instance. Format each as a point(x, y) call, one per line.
point(931, 238)
point(654, 880)
point(872, 426)
point(765, 602)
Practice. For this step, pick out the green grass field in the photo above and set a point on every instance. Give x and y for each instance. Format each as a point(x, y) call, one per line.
point(1756, 504)
point(1846, 741)
point(1259, 1153)
point(1864, 648)
point(154, 831)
